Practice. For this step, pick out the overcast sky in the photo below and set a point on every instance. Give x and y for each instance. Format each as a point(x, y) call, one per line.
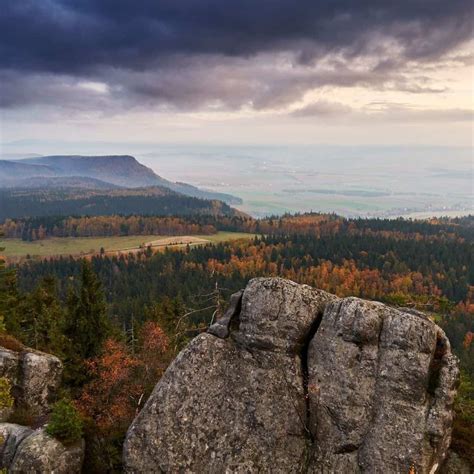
point(237, 71)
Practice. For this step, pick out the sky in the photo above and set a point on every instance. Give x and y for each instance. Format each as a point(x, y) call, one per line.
point(338, 72)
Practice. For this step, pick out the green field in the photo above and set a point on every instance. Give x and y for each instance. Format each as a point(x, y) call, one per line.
point(16, 248)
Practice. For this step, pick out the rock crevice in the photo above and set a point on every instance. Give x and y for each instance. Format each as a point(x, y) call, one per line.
point(294, 379)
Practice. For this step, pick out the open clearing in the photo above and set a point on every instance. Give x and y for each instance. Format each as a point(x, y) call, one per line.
point(16, 248)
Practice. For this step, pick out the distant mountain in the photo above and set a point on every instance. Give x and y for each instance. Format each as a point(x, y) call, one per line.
point(67, 182)
point(11, 171)
point(120, 170)
point(18, 156)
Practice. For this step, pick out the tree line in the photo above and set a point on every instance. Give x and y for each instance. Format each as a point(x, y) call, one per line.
point(313, 224)
point(101, 226)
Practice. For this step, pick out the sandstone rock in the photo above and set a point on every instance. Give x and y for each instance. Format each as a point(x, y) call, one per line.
point(9, 364)
point(381, 388)
point(40, 453)
point(9, 368)
point(221, 328)
point(237, 403)
point(11, 436)
point(296, 380)
point(35, 378)
point(41, 377)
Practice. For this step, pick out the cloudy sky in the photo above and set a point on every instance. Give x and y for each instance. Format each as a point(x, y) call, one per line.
point(237, 71)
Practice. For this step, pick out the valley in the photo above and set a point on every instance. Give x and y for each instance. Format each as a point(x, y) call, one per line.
point(358, 181)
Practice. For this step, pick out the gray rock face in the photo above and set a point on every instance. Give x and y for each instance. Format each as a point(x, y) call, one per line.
point(381, 387)
point(293, 379)
point(11, 435)
point(40, 453)
point(35, 378)
point(236, 403)
point(41, 377)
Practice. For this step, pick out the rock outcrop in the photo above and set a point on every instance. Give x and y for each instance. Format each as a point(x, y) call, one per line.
point(23, 450)
point(11, 436)
point(294, 379)
point(42, 453)
point(382, 383)
point(35, 377)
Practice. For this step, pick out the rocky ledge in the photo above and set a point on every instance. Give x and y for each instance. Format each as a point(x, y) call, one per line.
point(23, 450)
point(293, 379)
point(35, 378)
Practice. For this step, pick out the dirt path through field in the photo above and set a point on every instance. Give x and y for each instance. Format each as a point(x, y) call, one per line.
point(174, 241)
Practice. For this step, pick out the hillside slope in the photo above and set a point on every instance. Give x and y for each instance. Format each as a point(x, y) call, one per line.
point(11, 171)
point(158, 201)
point(120, 170)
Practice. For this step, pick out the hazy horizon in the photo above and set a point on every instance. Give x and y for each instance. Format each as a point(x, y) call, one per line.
point(357, 181)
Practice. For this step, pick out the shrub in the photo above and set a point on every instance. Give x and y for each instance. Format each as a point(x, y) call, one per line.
point(23, 416)
point(65, 423)
point(11, 343)
point(6, 399)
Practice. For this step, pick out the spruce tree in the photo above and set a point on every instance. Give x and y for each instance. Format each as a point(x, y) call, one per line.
point(8, 298)
point(87, 324)
point(42, 319)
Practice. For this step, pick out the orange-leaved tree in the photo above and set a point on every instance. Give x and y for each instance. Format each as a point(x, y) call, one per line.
point(110, 398)
point(121, 381)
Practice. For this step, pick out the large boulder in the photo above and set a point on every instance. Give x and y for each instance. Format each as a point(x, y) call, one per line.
point(293, 379)
point(236, 403)
point(35, 377)
point(42, 453)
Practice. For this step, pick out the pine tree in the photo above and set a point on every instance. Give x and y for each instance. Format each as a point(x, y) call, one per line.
point(8, 297)
point(42, 318)
point(87, 325)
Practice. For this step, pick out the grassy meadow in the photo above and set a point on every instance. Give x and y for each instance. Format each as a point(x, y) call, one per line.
point(17, 249)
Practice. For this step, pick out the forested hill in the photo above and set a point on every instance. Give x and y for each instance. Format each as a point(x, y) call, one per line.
point(118, 170)
point(158, 201)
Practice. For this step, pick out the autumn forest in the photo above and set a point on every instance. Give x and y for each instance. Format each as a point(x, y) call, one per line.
point(117, 320)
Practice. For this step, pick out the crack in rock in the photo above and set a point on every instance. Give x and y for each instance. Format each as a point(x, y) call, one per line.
point(330, 385)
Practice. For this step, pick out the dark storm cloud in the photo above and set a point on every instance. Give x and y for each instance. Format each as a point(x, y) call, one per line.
point(79, 35)
point(160, 43)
